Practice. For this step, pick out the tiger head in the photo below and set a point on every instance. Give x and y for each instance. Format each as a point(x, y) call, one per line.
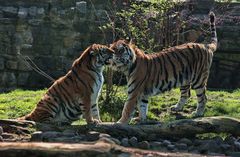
point(124, 55)
point(99, 55)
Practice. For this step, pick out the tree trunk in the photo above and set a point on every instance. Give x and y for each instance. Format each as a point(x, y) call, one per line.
point(178, 128)
point(100, 148)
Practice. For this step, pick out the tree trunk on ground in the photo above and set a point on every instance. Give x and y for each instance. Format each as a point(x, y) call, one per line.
point(99, 148)
point(14, 130)
point(178, 128)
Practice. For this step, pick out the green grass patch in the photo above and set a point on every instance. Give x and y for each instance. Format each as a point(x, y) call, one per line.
point(18, 103)
point(220, 103)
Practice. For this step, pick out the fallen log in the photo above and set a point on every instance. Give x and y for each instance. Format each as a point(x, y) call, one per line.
point(178, 128)
point(99, 148)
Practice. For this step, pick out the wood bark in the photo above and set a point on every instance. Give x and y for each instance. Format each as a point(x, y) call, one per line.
point(100, 148)
point(178, 128)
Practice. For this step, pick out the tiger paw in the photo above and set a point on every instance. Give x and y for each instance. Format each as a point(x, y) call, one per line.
point(135, 120)
point(95, 121)
point(121, 121)
point(176, 108)
point(196, 114)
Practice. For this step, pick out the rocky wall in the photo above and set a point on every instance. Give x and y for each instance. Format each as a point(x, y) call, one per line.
point(52, 33)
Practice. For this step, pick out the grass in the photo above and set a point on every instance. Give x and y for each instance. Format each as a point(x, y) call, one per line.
point(20, 102)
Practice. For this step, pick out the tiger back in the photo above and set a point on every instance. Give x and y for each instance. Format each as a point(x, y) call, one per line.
point(186, 66)
point(76, 93)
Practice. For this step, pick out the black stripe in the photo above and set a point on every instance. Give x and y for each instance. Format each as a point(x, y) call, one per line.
point(79, 79)
point(132, 68)
point(173, 67)
point(169, 85)
point(65, 96)
point(144, 101)
point(165, 69)
point(94, 105)
point(200, 95)
point(162, 85)
point(133, 81)
point(51, 106)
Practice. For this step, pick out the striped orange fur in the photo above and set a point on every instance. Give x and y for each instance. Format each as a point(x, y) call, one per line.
point(186, 66)
point(76, 93)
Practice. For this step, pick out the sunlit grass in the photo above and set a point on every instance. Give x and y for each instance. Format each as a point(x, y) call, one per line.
point(220, 103)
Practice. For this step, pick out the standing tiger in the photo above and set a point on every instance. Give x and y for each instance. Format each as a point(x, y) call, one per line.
point(77, 92)
point(186, 65)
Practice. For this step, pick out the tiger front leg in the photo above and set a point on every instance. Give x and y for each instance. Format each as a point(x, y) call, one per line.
point(95, 112)
point(87, 113)
point(128, 110)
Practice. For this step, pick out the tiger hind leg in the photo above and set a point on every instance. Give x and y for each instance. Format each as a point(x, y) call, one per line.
point(143, 109)
point(202, 100)
point(185, 95)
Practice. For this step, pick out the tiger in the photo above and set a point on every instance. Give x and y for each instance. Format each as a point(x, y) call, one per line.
point(186, 66)
point(75, 94)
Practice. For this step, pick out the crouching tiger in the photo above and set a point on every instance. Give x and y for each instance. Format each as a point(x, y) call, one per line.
point(186, 66)
point(77, 92)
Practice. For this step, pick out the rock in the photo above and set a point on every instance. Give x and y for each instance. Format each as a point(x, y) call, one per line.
point(92, 136)
point(10, 11)
point(36, 136)
point(40, 12)
point(81, 6)
point(166, 143)
point(1, 139)
point(197, 142)
point(156, 144)
point(12, 65)
point(209, 146)
point(233, 154)
point(124, 142)
point(133, 141)
point(144, 145)
point(69, 131)
point(22, 78)
point(216, 154)
point(237, 145)
point(116, 141)
point(186, 141)
point(68, 134)
point(218, 140)
point(230, 140)
point(102, 135)
point(7, 136)
point(152, 137)
point(192, 149)
point(8, 79)
point(50, 134)
point(225, 146)
point(1, 130)
point(171, 147)
point(32, 11)
point(107, 140)
point(182, 146)
point(73, 139)
point(22, 12)
point(23, 66)
point(1, 63)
